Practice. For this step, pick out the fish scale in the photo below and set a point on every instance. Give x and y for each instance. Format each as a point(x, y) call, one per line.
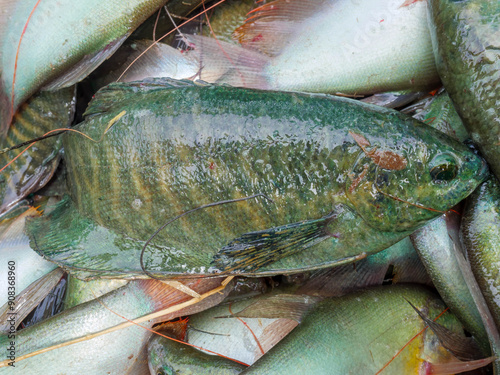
point(174, 146)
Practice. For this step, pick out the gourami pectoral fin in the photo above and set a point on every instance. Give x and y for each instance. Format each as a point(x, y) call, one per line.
point(254, 250)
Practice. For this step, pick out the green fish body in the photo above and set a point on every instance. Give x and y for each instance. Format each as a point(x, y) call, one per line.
point(33, 168)
point(346, 179)
point(481, 235)
point(59, 40)
point(466, 41)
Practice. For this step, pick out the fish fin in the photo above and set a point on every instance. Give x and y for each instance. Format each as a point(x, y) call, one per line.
point(163, 296)
point(274, 333)
point(116, 94)
point(288, 306)
point(7, 8)
point(84, 67)
point(29, 298)
point(254, 250)
point(176, 329)
point(457, 367)
point(150, 59)
point(5, 108)
point(226, 63)
point(268, 27)
point(340, 280)
point(463, 348)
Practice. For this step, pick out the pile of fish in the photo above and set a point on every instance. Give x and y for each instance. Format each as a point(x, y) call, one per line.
point(277, 187)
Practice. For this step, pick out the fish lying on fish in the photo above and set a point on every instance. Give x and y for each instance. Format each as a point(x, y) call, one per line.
point(33, 168)
point(248, 342)
point(346, 179)
point(53, 44)
point(481, 236)
point(111, 353)
point(336, 46)
point(359, 333)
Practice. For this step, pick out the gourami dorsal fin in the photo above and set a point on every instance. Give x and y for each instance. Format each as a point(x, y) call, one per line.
point(268, 27)
point(115, 95)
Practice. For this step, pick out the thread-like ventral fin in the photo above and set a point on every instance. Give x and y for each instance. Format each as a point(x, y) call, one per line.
point(164, 296)
point(254, 250)
point(269, 27)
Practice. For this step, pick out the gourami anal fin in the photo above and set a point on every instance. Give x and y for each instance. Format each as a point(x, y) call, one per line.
point(254, 250)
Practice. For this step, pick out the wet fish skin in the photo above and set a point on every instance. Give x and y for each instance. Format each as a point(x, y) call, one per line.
point(481, 237)
point(466, 42)
point(113, 353)
point(359, 333)
point(77, 37)
point(179, 145)
point(14, 247)
point(436, 250)
point(169, 357)
point(44, 112)
point(397, 264)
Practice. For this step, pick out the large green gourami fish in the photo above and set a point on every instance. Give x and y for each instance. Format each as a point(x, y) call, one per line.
point(466, 41)
point(346, 179)
point(54, 43)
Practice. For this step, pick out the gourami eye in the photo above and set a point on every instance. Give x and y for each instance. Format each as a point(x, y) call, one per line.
point(443, 167)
